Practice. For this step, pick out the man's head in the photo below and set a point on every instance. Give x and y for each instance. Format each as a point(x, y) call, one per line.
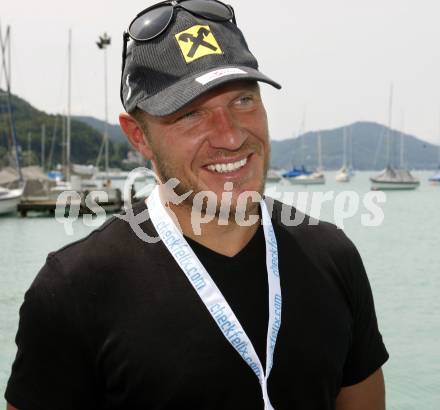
point(193, 98)
point(220, 137)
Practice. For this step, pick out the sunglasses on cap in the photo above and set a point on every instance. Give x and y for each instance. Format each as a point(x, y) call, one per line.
point(153, 21)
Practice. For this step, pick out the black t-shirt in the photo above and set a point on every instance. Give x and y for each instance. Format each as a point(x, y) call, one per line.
point(233, 277)
point(111, 322)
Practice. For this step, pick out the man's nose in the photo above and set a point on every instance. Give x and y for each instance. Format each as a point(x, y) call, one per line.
point(226, 130)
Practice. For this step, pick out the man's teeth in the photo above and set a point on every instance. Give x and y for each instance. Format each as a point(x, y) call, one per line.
point(232, 166)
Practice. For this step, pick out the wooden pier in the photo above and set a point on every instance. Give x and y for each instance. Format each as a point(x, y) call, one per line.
point(49, 205)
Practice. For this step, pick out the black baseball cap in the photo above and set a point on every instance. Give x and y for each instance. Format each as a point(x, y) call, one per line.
point(194, 55)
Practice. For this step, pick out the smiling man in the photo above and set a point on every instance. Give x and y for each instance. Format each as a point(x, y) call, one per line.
point(250, 313)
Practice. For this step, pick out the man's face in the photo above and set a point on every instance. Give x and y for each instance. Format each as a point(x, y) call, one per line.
point(221, 137)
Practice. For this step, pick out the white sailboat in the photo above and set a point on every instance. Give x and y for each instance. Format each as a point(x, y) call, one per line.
point(393, 178)
point(9, 199)
point(343, 174)
point(304, 177)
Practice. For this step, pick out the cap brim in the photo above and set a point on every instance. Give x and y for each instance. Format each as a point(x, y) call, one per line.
point(182, 93)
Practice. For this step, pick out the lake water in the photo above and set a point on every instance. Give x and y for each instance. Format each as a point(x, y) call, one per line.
point(401, 255)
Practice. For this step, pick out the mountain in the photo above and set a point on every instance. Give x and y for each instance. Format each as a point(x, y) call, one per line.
point(368, 147)
point(114, 131)
point(85, 140)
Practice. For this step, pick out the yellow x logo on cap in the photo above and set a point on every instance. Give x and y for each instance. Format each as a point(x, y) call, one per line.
point(196, 42)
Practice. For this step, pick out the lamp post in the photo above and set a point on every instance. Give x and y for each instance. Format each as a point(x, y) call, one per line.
point(69, 107)
point(102, 44)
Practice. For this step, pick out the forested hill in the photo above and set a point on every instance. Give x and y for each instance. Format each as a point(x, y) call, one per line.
point(114, 130)
point(85, 140)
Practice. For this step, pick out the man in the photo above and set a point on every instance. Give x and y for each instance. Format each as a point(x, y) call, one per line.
point(239, 312)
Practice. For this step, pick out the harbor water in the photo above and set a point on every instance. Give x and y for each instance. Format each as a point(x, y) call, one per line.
point(401, 256)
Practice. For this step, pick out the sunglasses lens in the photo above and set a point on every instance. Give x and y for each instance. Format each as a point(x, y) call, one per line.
point(209, 9)
point(151, 23)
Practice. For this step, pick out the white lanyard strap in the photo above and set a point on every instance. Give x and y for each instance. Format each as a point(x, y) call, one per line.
point(211, 296)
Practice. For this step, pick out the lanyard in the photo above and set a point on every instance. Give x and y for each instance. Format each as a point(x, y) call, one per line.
point(211, 296)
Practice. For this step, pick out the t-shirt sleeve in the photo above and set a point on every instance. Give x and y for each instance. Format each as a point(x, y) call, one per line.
point(52, 366)
point(367, 352)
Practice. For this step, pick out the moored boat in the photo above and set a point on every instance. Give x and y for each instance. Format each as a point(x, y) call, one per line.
point(343, 175)
point(394, 179)
point(435, 179)
point(313, 178)
point(9, 199)
point(391, 179)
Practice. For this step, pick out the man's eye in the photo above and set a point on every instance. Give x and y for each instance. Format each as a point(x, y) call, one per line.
point(245, 100)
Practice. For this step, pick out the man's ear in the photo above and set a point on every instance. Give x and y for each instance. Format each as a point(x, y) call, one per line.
point(135, 135)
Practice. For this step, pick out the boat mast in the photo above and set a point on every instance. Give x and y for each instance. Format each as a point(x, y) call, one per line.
point(52, 143)
point(344, 147)
point(43, 143)
point(63, 143)
point(5, 45)
point(68, 122)
point(29, 149)
point(402, 142)
point(106, 110)
point(390, 118)
point(350, 142)
point(319, 152)
point(302, 135)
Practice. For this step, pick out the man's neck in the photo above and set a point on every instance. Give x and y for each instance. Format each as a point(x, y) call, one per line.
point(226, 239)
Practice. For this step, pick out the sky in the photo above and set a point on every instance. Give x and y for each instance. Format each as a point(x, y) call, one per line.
point(335, 59)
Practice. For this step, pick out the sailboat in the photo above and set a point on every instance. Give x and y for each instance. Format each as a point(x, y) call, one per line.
point(435, 179)
point(12, 191)
point(9, 199)
point(298, 171)
point(343, 174)
point(393, 178)
point(313, 178)
point(301, 176)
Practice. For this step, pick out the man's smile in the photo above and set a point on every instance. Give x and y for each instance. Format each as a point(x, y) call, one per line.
point(225, 167)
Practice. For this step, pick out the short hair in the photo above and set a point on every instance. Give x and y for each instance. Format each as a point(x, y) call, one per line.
point(140, 117)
